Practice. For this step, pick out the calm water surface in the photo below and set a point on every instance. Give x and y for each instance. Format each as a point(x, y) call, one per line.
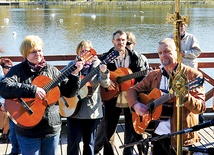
point(63, 27)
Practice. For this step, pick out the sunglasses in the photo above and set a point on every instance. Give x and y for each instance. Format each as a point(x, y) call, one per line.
point(7, 67)
point(128, 43)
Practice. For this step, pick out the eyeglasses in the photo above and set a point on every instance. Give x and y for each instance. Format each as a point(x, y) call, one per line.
point(83, 51)
point(128, 43)
point(35, 51)
point(7, 67)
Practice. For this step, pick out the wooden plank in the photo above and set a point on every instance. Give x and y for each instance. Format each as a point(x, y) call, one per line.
point(207, 139)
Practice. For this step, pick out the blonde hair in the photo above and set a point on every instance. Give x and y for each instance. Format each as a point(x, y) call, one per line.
point(131, 37)
point(84, 43)
point(29, 43)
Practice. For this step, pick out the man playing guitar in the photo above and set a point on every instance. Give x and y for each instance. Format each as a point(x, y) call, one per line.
point(194, 102)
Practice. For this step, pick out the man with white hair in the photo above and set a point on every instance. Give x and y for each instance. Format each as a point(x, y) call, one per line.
point(193, 102)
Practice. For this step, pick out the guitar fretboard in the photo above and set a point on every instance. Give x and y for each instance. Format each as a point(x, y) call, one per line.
point(131, 76)
point(53, 83)
point(89, 76)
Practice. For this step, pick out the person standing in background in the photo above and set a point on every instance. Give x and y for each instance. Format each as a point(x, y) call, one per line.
point(15, 150)
point(131, 43)
point(42, 138)
point(100, 137)
point(190, 48)
point(83, 124)
point(114, 106)
point(4, 120)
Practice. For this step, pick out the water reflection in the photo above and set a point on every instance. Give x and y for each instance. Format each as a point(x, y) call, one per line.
point(63, 27)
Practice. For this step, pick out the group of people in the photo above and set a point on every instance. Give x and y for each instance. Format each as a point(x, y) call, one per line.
point(94, 112)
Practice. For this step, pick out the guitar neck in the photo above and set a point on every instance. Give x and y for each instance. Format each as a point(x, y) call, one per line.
point(89, 76)
point(154, 104)
point(65, 73)
point(53, 83)
point(111, 56)
point(131, 76)
point(197, 82)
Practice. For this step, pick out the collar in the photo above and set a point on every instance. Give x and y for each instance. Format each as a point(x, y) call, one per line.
point(164, 72)
point(182, 36)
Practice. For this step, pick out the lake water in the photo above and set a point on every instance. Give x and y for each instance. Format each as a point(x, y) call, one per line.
point(62, 27)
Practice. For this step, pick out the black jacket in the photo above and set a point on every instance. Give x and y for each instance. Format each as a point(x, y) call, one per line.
point(135, 65)
point(18, 84)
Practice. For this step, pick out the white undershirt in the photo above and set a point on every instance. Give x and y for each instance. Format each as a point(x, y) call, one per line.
point(164, 125)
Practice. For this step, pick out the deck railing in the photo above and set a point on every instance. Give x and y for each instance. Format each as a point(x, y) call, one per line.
point(60, 61)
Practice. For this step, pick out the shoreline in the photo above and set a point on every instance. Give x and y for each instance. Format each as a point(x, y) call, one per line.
point(88, 3)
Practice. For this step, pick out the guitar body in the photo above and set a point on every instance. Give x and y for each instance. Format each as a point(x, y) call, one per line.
point(19, 114)
point(140, 123)
point(30, 114)
point(53, 95)
point(114, 76)
point(154, 100)
point(71, 106)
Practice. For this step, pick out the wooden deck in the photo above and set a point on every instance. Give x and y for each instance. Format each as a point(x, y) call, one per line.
point(207, 141)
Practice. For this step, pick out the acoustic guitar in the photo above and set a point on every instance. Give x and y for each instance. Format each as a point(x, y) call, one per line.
point(154, 100)
point(123, 79)
point(28, 112)
point(70, 106)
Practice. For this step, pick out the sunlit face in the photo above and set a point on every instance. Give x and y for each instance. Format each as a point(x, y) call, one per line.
point(36, 55)
point(119, 42)
point(167, 55)
point(83, 49)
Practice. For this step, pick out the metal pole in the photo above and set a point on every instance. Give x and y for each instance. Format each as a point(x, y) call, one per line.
point(179, 98)
point(179, 79)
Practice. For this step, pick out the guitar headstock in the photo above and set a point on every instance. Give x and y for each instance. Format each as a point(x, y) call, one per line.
point(88, 55)
point(111, 56)
point(197, 82)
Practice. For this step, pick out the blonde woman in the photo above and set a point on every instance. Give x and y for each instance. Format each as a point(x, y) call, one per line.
point(84, 123)
point(43, 138)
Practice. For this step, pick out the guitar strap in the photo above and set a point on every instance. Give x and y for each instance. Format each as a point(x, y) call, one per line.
point(122, 61)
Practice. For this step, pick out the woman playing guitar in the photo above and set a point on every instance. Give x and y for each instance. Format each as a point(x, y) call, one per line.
point(32, 103)
point(83, 124)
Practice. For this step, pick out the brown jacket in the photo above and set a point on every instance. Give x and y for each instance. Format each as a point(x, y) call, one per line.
point(194, 105)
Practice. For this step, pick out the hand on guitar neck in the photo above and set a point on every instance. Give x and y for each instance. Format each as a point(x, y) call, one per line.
point(28, 112)
point(70, 106)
